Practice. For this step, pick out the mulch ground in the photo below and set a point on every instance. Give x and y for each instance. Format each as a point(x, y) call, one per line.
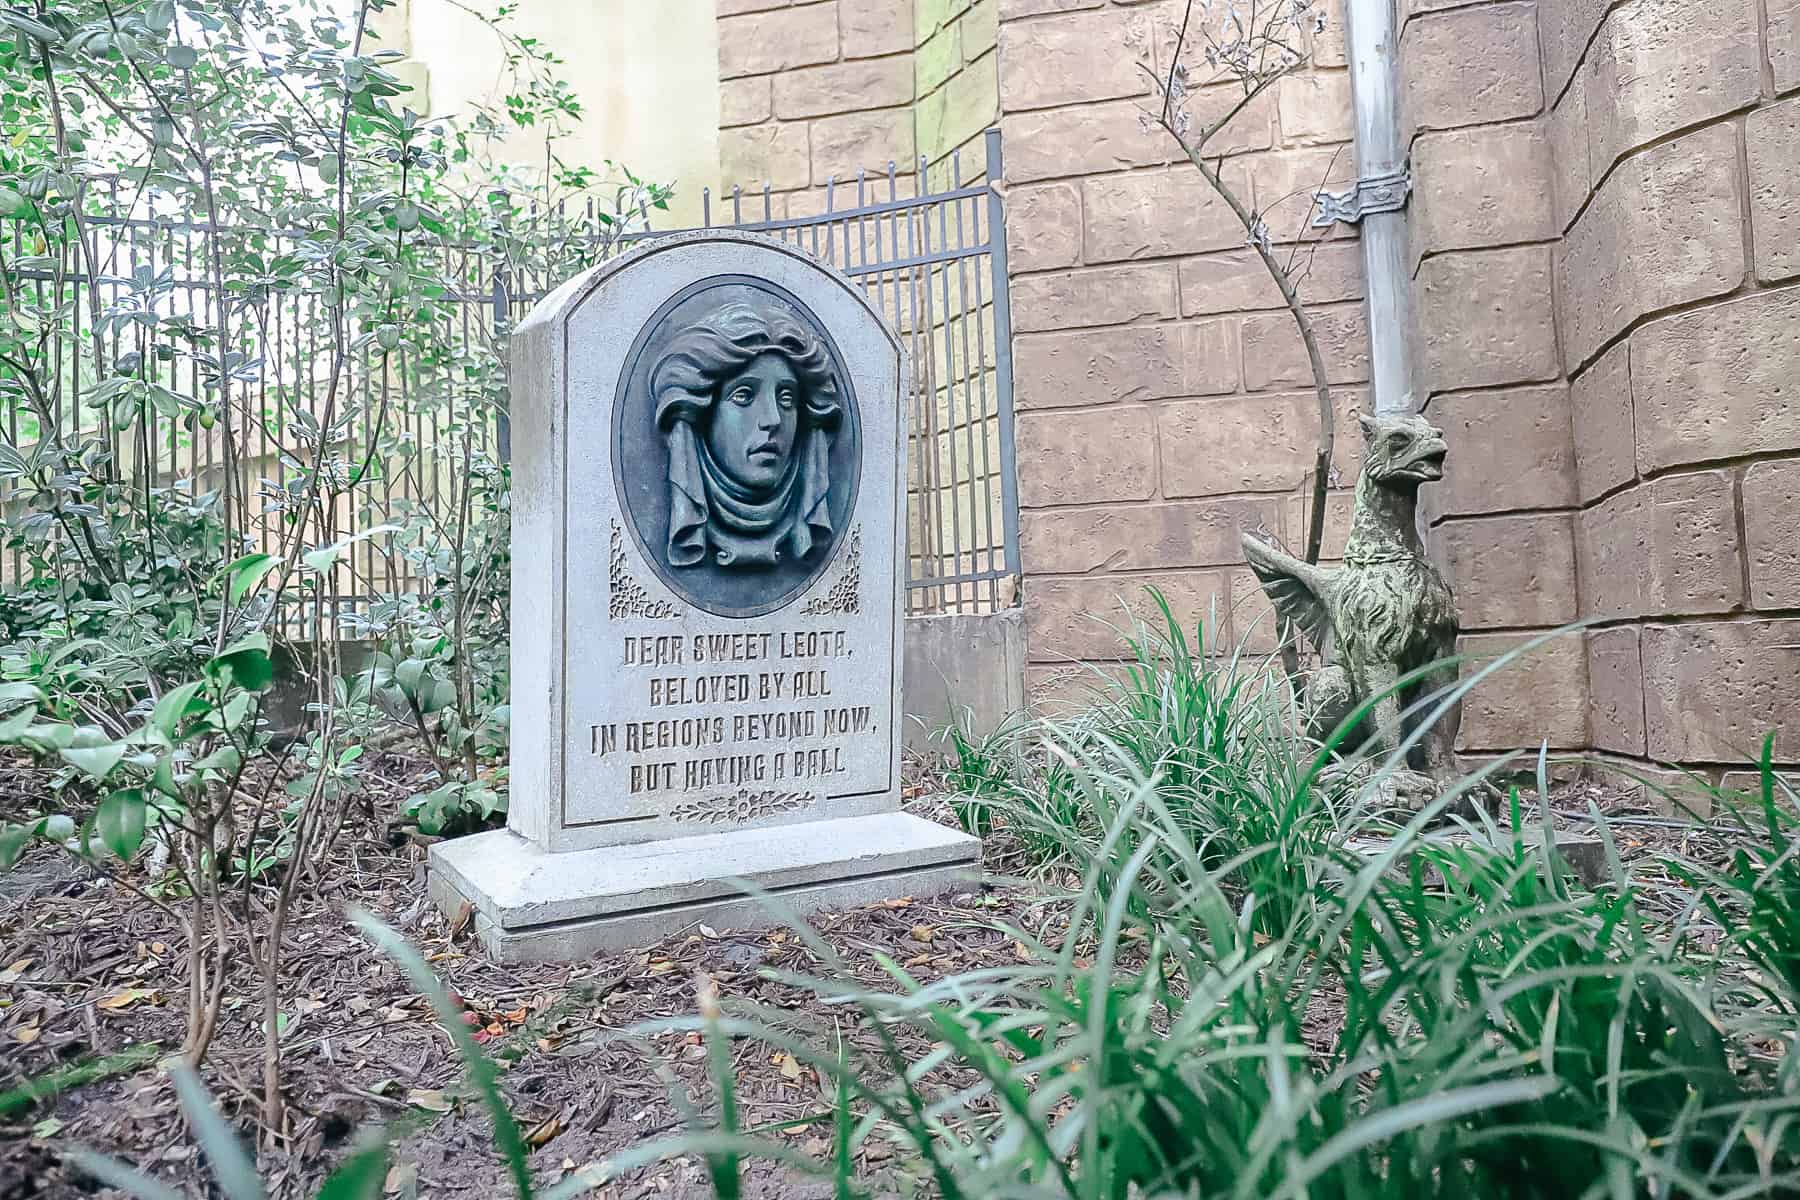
point(89, 972)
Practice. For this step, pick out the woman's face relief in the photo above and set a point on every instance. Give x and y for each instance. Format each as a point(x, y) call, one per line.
point(755, 422)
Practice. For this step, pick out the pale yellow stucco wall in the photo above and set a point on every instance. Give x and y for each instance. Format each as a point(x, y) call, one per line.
point(646, 72)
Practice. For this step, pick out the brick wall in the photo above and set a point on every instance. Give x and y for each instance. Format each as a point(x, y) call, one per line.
point(1164, 402)
point(1607, 222)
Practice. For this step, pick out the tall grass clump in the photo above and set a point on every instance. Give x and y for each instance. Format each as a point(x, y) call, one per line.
point(1251, 999)
point(1210, 730)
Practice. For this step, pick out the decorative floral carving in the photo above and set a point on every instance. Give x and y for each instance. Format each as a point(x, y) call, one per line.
point(845, 595)
point(745, 804)
point(627, 596)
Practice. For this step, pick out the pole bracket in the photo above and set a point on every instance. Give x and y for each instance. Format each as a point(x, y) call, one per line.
point(1375, 194)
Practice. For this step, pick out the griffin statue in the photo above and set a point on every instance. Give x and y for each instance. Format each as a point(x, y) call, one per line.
point(1385, 613)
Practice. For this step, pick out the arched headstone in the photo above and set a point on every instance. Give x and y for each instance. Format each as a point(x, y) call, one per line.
point(709, 496)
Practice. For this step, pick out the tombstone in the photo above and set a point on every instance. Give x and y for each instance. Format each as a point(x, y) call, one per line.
point(708, 549)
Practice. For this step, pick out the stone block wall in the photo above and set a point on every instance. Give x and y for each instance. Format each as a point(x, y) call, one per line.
point(956, 80)
point(1607, 226)
point(1606, 254)
point(1164, 402)
point(1489, 366)
point(812, 91)
point(1679, 197)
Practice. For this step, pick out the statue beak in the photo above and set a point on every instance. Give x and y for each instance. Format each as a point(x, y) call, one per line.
point(1429, 466)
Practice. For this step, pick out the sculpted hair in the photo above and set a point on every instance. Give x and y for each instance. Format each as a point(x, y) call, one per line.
point(703, 356)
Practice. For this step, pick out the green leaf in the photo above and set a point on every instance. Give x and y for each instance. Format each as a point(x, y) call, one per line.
point(116, 1174)
point(30, 27)
point(359, 1178)
point(163, 778)
point(237, 708)
point(97, 762)
point(435, 695)
point(14, 694)
point(248, 661)
point(182, 58)
point(409, 674)
point(11, 203)
point(225, 760)
point(13, 839)
point(324, 558)
point(578, 1184)
point(120, 821)
point(175, 706)
point(480, 1067)
point(14, 728)
point(387, 336)
point(246, 573)
point(232, 1168)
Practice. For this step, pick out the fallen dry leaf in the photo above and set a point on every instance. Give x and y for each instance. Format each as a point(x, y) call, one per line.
point(27, 1034)
point(923, 933)
point(429, 1099)
point(789, 1068)
point(400, 1177)
point(124, 999)
point(12, 973)
point(543, 1131)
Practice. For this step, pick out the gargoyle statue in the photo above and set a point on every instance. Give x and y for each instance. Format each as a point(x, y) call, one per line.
point(1385, 613)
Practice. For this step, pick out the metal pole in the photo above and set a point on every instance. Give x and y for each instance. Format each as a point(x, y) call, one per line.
point(1375, 86)
point(1003, 365)
point(502, 327)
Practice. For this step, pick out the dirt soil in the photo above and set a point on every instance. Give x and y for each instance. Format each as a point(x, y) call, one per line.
point(88, 972)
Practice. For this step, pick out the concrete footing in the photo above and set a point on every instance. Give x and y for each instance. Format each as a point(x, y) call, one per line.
point(535, 906)
point(966, 667)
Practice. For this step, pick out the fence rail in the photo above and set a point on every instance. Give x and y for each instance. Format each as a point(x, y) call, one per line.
point(933, 262)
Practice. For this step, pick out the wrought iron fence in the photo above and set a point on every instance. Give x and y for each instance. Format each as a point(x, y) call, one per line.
point(932, 261)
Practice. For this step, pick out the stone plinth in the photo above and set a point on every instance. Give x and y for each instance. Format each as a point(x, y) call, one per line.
point(533, 905)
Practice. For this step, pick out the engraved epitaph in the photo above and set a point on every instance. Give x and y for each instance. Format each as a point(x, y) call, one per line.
point(707, 577)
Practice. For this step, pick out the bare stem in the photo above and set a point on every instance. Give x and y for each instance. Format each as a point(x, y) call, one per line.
point(1256, 83)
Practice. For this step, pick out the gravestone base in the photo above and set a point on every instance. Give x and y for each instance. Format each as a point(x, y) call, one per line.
point(534, 905)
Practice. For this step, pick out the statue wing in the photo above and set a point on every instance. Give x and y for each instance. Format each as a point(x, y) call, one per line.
point(1301, 592)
